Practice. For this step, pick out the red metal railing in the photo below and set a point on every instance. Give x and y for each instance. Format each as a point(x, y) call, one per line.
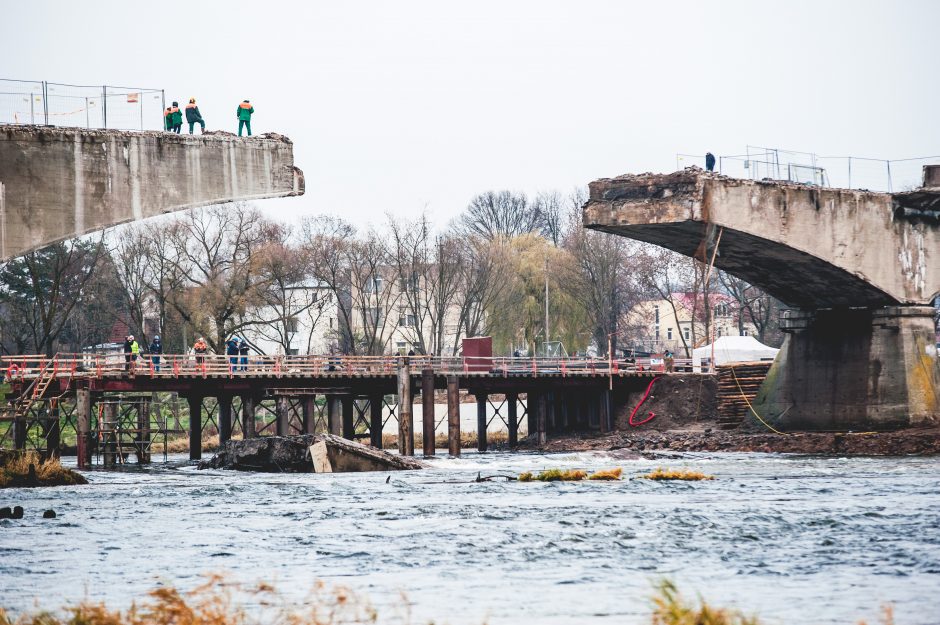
point(116, 365)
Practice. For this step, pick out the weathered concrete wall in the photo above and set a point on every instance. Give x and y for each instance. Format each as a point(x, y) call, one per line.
point(809, 247)
point(57, 183)
point(854, 369)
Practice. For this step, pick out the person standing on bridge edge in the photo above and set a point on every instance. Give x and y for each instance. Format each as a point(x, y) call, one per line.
point(200, 347)
point(243, 113)
point(231, 348)
point(176, 117)
point(127, 352)
point(135, 352)
point(709, 161)
point(156, 348)
point(194, 117)
point(243, 350)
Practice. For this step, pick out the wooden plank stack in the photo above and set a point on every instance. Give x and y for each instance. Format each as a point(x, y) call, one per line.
point(732, 406)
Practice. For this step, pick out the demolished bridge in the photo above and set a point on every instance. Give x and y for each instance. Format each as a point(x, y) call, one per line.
point(858, 269)
point(59, 183)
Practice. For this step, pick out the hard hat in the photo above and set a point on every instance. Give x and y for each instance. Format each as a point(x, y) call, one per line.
point(192, 100)
point(156, 338)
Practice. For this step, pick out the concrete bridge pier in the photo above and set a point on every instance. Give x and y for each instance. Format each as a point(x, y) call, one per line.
point(851, 369)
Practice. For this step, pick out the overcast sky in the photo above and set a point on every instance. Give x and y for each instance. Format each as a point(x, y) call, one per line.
point(401, 106)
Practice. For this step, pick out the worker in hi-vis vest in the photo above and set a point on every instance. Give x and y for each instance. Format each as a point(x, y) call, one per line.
point(243, 112)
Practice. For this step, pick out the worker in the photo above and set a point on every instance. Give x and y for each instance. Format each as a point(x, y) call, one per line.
point(243, 113)
point(200, 347)
point(135, 352)
point(231, 349)
point(194, 117)
point(176, 118)
point(156, 349)
point(168, 119)
point(709, 161)
point(668, 361)
point(243, 350)
point(127, 352)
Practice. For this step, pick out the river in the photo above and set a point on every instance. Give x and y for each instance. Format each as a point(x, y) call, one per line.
point(793, 539)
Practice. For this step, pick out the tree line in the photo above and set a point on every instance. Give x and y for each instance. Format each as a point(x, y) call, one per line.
point(217, 271)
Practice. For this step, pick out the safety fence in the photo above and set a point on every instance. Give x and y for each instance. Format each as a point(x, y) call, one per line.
point(110, 365)
point(841, 172)
point(84, 106)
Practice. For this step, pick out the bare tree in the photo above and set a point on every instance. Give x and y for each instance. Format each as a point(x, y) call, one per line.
point(40, 289)
point(669, 277)
point(753, 305)
point(485, 279)
point(551, 206)
point(428, 273)
point(286, 293)
point(601, 281)
point(214, 250)
point(360, 273)
point(501, 214)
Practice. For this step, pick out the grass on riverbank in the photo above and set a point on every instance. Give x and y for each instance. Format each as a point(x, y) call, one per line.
point(218, 602)
point(27, 469)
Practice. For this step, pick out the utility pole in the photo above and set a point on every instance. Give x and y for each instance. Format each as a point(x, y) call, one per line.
point(546, 305)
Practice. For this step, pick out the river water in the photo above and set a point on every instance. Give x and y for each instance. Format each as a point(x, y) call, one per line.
point(793, 539)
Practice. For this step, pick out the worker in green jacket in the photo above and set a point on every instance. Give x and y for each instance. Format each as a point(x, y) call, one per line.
point(243, 113)
point(177, 115)
point(193, 116)
point(168, 119)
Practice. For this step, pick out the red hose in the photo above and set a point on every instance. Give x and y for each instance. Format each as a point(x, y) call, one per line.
point(652, 414)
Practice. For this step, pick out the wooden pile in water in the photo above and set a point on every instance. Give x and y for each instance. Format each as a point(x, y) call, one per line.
point(738, 384)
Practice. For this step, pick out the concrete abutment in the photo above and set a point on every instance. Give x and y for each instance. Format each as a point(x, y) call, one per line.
point(854, 369)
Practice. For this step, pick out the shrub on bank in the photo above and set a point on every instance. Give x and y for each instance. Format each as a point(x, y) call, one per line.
point(26, 469)
point(217, 602)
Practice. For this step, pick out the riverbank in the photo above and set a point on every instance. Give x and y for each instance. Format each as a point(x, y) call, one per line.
point(920, 441)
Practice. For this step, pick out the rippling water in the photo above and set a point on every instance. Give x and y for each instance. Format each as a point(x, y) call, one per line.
point(793, 539)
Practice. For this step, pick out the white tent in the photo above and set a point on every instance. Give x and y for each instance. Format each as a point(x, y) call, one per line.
point(733, 349)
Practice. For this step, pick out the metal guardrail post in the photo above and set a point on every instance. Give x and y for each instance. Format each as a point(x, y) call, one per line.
point(45, 103)
point(104, 105)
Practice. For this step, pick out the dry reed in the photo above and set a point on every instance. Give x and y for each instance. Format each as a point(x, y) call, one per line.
point(15, 472)
point(685, 475)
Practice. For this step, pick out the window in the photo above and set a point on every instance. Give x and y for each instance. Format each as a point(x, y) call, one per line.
point(656, 313)
point(410, 283)
point(719, 330)
point(657, 333)
point(291, 325)
point(293, 351)
point(686, 334)
point(669, 333)
point(744, 333)
point(406, 320)
point(373, 284)
point(375, 315)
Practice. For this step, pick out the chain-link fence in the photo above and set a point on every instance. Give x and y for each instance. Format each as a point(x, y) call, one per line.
point(843, 172)
point(85, 106)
